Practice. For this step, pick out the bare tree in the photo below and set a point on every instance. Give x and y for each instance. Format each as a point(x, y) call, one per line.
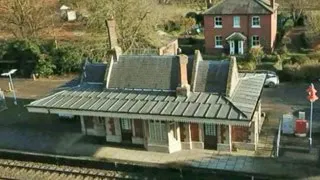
point(297, 8)
point(25, 18)
point(136, 20)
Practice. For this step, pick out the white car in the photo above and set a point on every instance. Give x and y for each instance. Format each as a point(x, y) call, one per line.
point(272, 79)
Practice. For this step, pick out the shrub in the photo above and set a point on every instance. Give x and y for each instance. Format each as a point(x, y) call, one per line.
point(314, 55)
point(67, 59)
point(45, 66)
point(288, 25)
point(255, 54)
point(247, 65)
point(270, 58)
point(304, 40)
point(307, 71)
point(299, 59)
point(283, 50)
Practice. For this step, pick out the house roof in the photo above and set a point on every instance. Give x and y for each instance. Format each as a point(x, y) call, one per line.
point(242, 7)
point(236, 36)
point(94, 72)
point(201, 106)
point(145, 72)
point(212, 76)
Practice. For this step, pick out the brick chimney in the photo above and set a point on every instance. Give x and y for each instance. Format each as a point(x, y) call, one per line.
point(209, 4)
point(233, 77)
point(184, 87)
point(112, 33)
point(195, 69)
point(273, 3)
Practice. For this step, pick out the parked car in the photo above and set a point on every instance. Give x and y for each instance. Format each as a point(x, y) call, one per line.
point(272, 79)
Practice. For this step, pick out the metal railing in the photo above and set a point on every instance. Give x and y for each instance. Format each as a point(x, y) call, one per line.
point(278, 137)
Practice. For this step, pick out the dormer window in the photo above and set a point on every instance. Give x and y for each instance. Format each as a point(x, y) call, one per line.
point(218, 22)
point(256, 22)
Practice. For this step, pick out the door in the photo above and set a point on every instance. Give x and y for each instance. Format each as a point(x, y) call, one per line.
point(236, 47)
point(138, 127)
point(210, 136)
point(231, 47)
point(194, 132)
point(126, 130)
point(240, 47)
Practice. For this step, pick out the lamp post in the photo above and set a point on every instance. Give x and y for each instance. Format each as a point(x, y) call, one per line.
point(312, 97)
point(12, 71)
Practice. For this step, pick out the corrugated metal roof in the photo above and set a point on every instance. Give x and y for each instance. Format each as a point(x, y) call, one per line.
point(199, 104)
point(241, 7)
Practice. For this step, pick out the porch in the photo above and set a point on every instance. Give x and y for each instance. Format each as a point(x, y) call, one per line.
point(171, 136)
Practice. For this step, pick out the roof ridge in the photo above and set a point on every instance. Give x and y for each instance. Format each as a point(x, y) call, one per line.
point(265, 6)
point(234, 106)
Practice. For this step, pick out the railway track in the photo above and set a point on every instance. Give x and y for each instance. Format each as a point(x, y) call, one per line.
point(13, 169)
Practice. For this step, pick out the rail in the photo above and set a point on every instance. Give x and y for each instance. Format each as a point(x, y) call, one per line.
point(278, 137)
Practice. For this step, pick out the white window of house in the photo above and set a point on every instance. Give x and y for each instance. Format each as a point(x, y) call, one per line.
point(236, 21)
point(218, 22)
point(255, 21)
point(218, 42)
point(126, 124)
point(255, 41)
point(210, 129)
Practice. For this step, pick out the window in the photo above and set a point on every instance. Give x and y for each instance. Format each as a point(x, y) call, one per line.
point(218, 42)
point(236, 21)
point(126, 124)
point(255, 41)
point(255, 21)
point(210, 129)
point(218, 22)
point(173, 130)
point(158, 130)
point(101, 120)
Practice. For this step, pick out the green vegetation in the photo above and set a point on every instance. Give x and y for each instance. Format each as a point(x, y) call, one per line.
point(41, 58)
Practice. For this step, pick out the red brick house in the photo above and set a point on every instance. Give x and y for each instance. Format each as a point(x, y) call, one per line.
point(234, 26)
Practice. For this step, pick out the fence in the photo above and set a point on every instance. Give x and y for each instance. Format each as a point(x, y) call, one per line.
point(278, 138)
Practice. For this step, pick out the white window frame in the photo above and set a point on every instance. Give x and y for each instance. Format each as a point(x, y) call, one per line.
point(252, 41)
point(215, 42)
point(236, 19)
point(210, 130)
point(217, 19)
point(158, 130)
point(126, 124)
point(255, 25)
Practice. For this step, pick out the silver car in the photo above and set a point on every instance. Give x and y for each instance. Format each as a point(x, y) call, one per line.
point(272, 79)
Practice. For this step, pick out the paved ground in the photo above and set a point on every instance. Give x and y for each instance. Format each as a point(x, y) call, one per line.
point(42, 133)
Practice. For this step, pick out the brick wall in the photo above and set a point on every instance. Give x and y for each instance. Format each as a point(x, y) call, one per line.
point(266, 32)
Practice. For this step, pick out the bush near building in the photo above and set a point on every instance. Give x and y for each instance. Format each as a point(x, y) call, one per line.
point(41, 58)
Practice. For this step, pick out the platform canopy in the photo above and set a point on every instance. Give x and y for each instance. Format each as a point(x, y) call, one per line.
point(199, 107)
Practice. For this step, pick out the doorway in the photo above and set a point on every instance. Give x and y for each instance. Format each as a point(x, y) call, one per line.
point(236, 47)
point(210, 136)
point(126, 130)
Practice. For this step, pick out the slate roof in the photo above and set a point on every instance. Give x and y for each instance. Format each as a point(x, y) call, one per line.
point(212, 76)
point(145, 72)
point(203, 105)
point(241, 7)
point(94, 72)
